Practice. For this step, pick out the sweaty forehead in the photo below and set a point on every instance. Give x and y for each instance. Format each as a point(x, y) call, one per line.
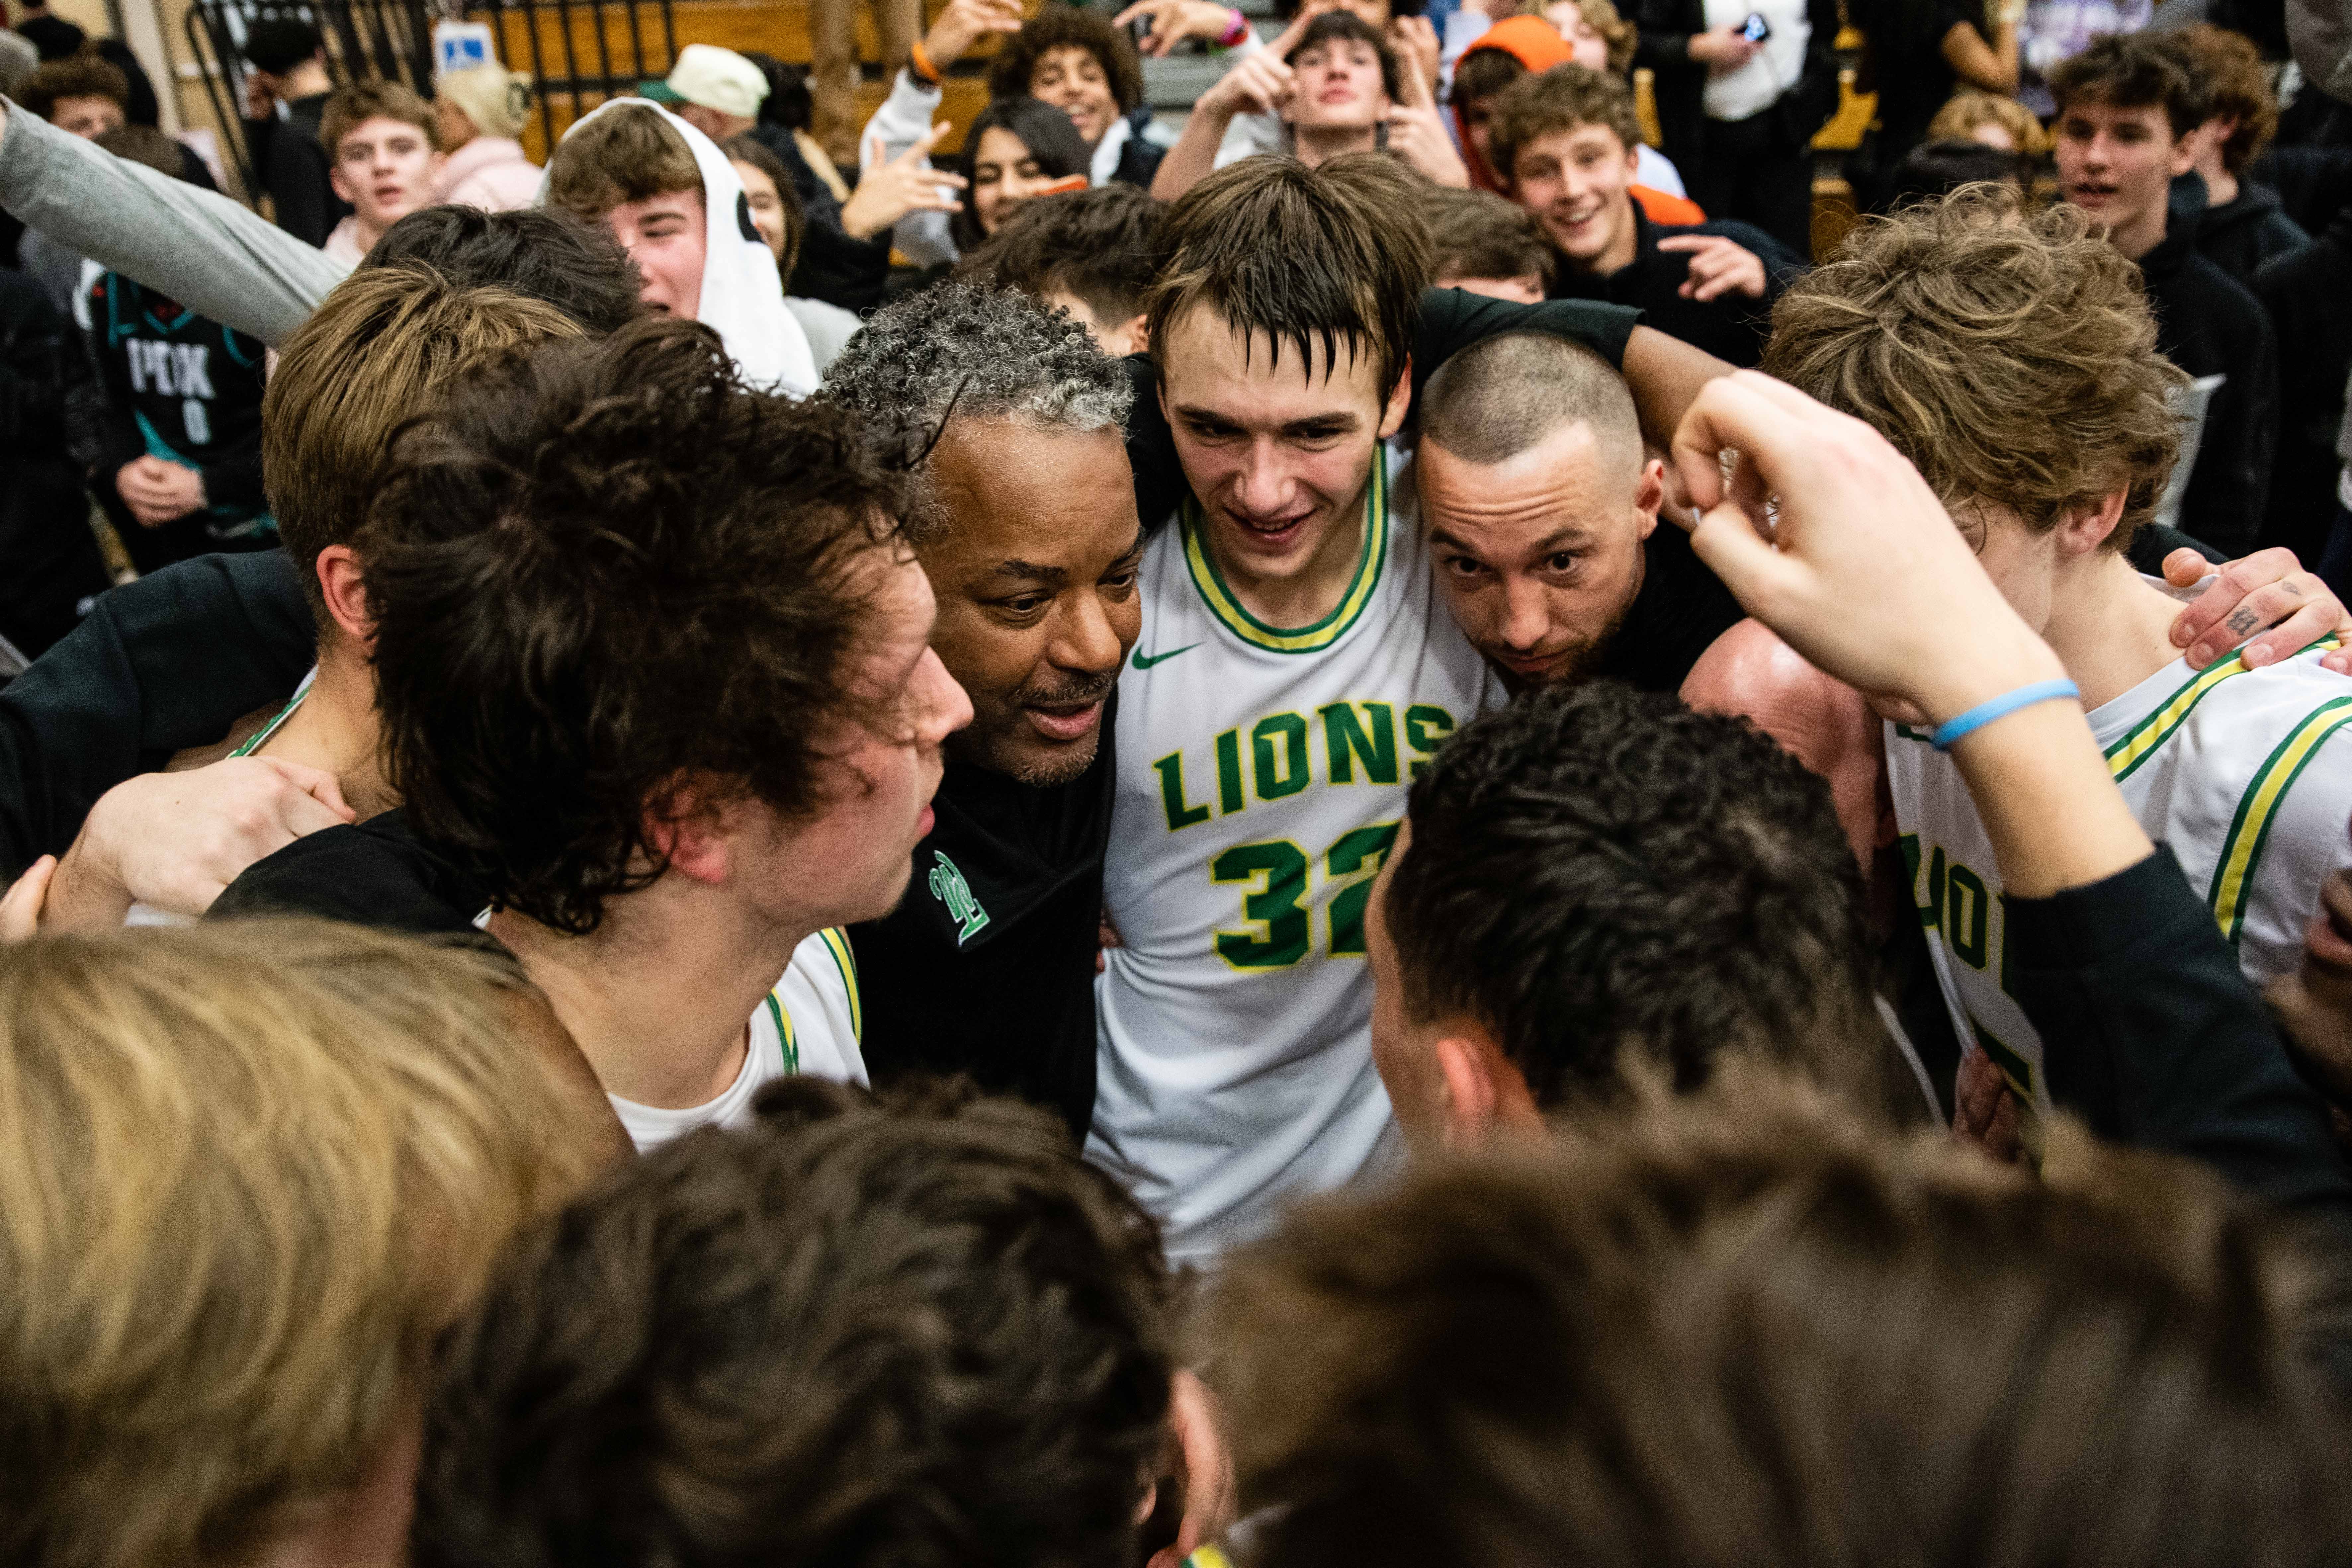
point(1208, 362)
point(1016, 490)
point(1568, 484)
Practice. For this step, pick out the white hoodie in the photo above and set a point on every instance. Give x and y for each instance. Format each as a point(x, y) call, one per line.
point(742, 297)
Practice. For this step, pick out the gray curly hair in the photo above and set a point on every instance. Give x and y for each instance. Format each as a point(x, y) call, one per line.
point(991, 353)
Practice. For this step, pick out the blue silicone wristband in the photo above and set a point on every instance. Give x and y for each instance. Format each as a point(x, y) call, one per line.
point(1951, 730)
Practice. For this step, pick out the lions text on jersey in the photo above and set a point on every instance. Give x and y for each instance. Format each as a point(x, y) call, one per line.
point(2245, 773)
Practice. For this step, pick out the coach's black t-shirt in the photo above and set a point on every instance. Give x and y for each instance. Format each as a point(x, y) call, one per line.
point(987, 967)
point(1681, 609)
point(374, 873)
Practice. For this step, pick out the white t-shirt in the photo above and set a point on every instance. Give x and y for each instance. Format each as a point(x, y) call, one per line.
point(1770, 71)
point(811, 1023)
point(2247, 774)
point(1262, 773)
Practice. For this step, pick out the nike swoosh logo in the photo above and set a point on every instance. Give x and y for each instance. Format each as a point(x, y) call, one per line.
point(1146, 660)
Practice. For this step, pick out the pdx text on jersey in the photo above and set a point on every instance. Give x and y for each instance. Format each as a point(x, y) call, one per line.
point(175, 370)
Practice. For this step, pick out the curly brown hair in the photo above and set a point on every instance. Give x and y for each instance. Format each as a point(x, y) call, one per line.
point(1561, 98)
point(1064, 26)
point(2240, 86)
point(2010, 356)
point(918, 1333)
point(604, 568)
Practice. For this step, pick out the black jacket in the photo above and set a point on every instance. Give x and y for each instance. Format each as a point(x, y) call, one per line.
point(2308, 293)
point(1666, 26)
point(374, 873)
point(1731, 327)
point(2153, 1035)
point(2239, 236)
point(2207, 324)
point(293, 168)
point(159, 665)
point(987, 967)
point(49, 558)
point(1138, 160)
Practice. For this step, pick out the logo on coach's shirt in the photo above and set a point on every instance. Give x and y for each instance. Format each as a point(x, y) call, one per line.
point(947, 886)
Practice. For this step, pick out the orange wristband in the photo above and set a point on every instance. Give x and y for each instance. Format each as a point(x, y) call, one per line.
point(919, 60)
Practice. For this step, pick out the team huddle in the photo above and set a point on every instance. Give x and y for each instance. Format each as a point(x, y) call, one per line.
point(1406, 923)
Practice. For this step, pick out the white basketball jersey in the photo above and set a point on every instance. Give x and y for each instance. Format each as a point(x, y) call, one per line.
point(1262, 773)
point(2247, 774)
point(811, 1023)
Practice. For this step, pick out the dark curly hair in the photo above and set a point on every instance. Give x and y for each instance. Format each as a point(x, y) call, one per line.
point(1059, 27)
point(990, 353)
point(922, 1334)
point(610, 567)
point(1597, 873)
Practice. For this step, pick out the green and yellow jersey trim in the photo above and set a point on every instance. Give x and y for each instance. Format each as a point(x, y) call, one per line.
point(260, 737)
point(1227, 608)
point(2250, 830)
point(837, 943)
point(2145, 739)
point(784, 1038)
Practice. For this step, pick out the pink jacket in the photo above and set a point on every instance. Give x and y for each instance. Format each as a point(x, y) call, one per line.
point(490, 172)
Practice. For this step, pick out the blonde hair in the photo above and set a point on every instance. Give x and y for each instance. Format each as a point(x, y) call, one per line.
point(2011, 357)
point(496, 100)
point(375, 354)
point(1959, 117)
point(1602, 17)
point(248, 1173)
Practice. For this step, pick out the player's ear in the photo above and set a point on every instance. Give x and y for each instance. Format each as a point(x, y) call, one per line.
point(1468, 1102)
point(339, 584)
point(1400, 400)
point(2083, 529)
point(1651, 493)
point(686, 828)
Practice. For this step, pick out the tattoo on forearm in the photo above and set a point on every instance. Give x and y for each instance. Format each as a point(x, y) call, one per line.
point(2242, 623)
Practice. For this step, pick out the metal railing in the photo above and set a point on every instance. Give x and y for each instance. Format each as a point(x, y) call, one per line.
point(633, 40)
point(565, 80)
point(383, 40)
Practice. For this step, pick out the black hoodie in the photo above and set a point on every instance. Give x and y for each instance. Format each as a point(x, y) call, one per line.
point(2207, 325)
point(2238, 235)
point(2308, 293)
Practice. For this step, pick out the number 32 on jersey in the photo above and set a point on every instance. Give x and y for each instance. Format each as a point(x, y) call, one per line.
point(1276, 903)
